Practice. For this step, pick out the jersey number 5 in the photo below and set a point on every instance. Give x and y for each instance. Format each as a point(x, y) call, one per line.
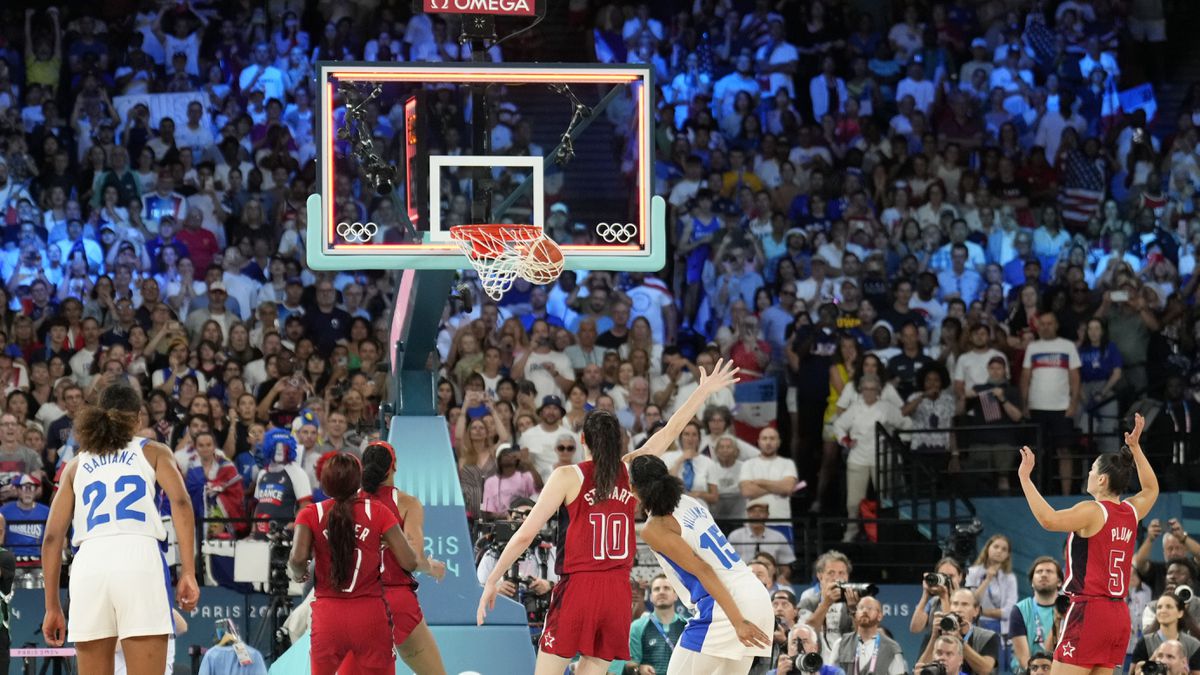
point(610, 536)
point(95, 493)
point(1116, 576)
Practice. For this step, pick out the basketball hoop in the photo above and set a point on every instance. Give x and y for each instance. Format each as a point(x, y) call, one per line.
point(502, 252)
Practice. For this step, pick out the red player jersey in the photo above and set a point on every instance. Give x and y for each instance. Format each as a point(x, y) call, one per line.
point(595, 535)
point(1099, 566)
point(371, 520)
point(393, 573)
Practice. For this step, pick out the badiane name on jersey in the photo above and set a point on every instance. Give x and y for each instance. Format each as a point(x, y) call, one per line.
point(123, 457)
point(620, 494)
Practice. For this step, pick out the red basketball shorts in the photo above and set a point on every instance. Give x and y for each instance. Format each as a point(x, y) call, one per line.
point(406, 611)
point(1095, 633)
point(358, 626)
point(590, 613)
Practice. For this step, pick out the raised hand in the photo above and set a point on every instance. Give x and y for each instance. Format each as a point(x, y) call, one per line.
point(1133, 438)
point(723, 374)
point(1025, 470)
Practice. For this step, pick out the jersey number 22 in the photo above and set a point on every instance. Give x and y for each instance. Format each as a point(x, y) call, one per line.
point(133, 488)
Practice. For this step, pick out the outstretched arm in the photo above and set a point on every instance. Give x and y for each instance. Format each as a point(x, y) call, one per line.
point(1079, 517)
point(1144, 500)
point(724, 374)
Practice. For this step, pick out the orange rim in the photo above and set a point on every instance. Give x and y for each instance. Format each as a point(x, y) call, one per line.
point(487, 239)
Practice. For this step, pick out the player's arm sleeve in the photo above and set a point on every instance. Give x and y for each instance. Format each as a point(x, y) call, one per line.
point(300, 482)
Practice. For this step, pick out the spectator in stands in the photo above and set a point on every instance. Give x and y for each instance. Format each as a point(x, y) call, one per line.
point(653, 635)
point(936, 592)
point(1050, 390)
point(950, 651)
point(1034, 621)
point(770, 476)
point(996, 403)
point(26, 520)
point(538, 442)
point(855, 430)
point(1171, 623)
point(756, 536)
point(694, 469)
point(509, 482)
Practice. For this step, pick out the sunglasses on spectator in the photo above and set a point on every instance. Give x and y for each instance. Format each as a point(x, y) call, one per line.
point(563, 448)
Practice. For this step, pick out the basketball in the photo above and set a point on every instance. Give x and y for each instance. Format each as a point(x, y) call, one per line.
point(543, 262)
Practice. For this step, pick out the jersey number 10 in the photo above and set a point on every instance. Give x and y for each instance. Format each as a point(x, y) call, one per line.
point(133, 488)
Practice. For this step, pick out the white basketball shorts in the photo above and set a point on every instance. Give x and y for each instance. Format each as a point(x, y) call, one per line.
point(119, 588)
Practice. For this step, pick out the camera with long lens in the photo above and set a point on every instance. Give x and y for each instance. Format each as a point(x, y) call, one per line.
point(1184, 593)
point(935, 668)
point(949, 623)
point(936, 579)
point(1154, 668)
point(280, 542)
point(864, 590)
point(810, 662)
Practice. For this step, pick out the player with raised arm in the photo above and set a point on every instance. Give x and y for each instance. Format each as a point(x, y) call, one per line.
point(120, 584)
point(589, 609)
point(732, 615)
point(1102, 534)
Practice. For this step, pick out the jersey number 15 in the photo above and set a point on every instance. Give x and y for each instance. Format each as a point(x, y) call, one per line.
point(133, 488)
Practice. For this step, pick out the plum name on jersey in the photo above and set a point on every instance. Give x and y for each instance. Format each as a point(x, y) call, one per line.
point(122, 457)
point(620, 494)
point(1124, 534)
point(693, 515)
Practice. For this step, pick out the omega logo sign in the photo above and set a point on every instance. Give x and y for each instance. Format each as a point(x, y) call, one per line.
point(506, 7)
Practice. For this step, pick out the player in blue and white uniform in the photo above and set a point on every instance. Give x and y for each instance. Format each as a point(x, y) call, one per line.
point(732, 616)
point(120, 584)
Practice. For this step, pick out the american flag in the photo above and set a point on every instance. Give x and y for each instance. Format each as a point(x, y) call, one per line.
point(1082, 191)
point(990, 406)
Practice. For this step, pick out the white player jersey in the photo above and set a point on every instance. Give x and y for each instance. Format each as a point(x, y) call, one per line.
point(114, 494)
point(705, 538)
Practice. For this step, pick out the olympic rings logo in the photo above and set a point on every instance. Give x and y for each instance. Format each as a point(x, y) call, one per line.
point(616, 232)
point(357, 233)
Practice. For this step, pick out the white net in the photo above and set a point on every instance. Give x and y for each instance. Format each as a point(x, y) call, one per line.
point(501, 253)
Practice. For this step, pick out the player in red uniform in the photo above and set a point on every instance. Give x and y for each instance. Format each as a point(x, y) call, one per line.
point(589, 609)
point(1100, 544)
point(410, 633)
point(346, 534)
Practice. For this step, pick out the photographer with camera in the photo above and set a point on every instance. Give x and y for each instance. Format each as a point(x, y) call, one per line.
point(831, 610)
point(1171, 623)
point(1169, 659)
point(534, 570)
point(946, 577)
point(946, 654)
point(867, 651)
point(1176, 545)
point(981, 647)
point(1180, 580)
point(803, 655)
point(1033, 621)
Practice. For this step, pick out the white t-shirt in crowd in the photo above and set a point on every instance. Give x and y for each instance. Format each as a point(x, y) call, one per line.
point(648, 301)
point(771, 468)
point(701, 466)
point(971, 367)
point(1050, 363)
point(748, 544)
point(540, 444)
point(535, 372)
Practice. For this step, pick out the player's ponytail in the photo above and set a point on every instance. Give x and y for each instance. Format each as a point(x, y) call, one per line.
point(657, 489)
point(109, 426)
point(378, 464)
point(1119, 468)
point(340, 479)
point(603, 435)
